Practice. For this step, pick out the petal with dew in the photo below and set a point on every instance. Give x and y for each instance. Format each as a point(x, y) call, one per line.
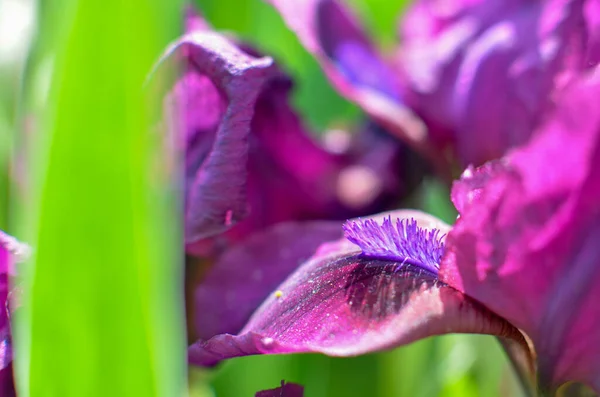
point(218, 72)
point(526, 245)
point(248, 272)
point(343, 304)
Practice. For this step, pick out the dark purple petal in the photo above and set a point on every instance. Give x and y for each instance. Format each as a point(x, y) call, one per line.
point(592, 17)
point(287, 175)
point(285, 390)
point(526, 243)
point(218, 73)
point(484, 74)
point(342, 304)
point(292, 177)
point(330, 32)
point(249, 271)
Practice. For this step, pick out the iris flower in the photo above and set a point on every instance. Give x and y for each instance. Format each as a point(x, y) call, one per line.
point(249, 161)
point(255, 177)
point(469, 80)
point(522, 262)
point(519, 263)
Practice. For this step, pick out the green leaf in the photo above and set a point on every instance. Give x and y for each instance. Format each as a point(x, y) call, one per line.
point(103, 315)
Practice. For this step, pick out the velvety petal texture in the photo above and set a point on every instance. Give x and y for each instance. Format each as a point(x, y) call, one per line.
point(329, 30)
point(249, 271)
point(526, 243)
point(218, 93)
point(281, 172)
point(285, 390)
point(345, 302)
point(484, 73)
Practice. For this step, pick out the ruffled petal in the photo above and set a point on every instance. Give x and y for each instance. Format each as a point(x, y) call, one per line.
point(484, 74)
point(526, 244)
point(343, 304)
point(288, 175)
point(225, 82)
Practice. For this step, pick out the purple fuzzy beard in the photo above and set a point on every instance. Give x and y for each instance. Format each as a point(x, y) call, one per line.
point(404, 242)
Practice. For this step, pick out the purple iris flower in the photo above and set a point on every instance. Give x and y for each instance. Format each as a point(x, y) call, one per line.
point(250, 162)
point(480, 74)
point(10, 249)
point(521, 263)
point(256, 180)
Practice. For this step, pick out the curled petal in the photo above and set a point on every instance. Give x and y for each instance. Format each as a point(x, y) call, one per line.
point(249, 271)
point(286, 175)
point(216, 192)
point(331, 33)
point(342, 304)
point(484, 74)
point(526, 245)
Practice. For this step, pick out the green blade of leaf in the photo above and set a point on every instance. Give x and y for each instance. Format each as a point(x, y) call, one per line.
point(104, 315)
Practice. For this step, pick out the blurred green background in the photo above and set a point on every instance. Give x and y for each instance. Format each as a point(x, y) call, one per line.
point(42, 88)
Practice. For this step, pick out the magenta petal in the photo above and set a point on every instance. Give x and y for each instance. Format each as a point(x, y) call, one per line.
point(341, 304)
point(484, 74)
point(331, 33)
point(248, 272)
point(472, 182)
point(216, 191)
point(285, 390)
point(526, 242)
point(10, 249)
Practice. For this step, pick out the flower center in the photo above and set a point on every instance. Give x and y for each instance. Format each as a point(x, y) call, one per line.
point(403, 241)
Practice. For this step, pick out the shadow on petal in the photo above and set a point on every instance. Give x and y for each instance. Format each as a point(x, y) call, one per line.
point(217, 71)
point(346, 306)
point(330, 32)
point(225, 297)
